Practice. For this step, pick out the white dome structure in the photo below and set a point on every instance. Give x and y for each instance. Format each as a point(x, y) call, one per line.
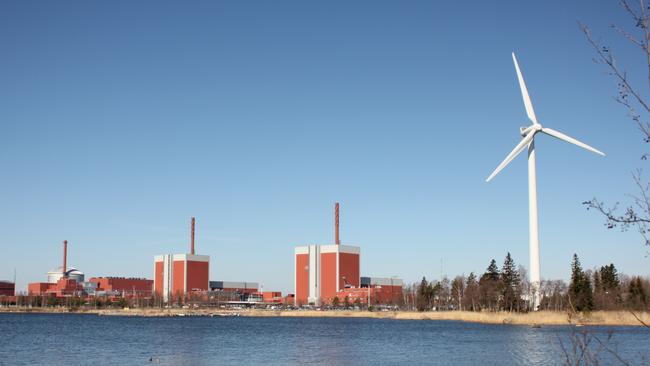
point(73, 273)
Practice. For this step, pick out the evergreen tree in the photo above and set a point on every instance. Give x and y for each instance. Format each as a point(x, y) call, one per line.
point(470, 300)
point(492, 271)
point(637, 298)
point(489, 287)
point(609, 277)
point(580, 292)
point(607, 290)
point(510, 284)
point(424, 296)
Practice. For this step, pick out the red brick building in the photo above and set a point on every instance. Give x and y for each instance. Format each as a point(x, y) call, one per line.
point(63, 282)
point(139, 287)
point(272, 297)
point(380, 291)
point(62, 288)
point(7, 288)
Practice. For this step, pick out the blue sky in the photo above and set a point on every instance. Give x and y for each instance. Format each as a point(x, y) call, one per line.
point(120, 121)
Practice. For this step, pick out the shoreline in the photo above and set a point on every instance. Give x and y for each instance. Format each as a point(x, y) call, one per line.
point(599, 318)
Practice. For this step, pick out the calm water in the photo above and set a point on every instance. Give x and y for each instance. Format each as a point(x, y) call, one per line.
point(70, 339)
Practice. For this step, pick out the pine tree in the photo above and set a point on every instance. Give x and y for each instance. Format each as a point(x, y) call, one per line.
point(492, 271)
point(637, 298)
point(580, 292)
point(607, 287)
point(471, 293)
point(510, 284)
point(435, 293)
point(424, 296)
point(609, 277)
point(489, 287)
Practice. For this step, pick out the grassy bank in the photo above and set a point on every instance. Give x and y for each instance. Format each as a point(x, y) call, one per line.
point(537, 318)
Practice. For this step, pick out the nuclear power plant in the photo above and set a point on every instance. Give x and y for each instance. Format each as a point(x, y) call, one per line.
point(61, 282)
point(179, 274)
point(323, 273)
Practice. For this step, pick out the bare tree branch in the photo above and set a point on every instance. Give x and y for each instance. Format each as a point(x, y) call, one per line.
point(640, 321)
point(606, 57)
point(629, 37)
point(637, 213)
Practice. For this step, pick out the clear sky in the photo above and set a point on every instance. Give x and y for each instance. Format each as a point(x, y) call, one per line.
point(119, 121)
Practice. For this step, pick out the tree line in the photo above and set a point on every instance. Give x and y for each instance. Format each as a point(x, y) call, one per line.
point(507, 288)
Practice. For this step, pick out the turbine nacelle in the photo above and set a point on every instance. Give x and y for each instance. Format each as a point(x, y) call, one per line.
point(525, 130)
point(534, 128)
point(528, 133)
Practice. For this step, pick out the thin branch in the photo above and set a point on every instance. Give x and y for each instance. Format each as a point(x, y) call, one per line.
point(607, 58)
point(630, 37)
point(640, 321)
point(613, 353)
point(631, 11)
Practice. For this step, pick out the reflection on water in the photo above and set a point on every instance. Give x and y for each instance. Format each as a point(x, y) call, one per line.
point(87, 339)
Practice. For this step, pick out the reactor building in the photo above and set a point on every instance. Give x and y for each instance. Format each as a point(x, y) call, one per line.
point(175, 275)
point(321, 271)
point(63, 281)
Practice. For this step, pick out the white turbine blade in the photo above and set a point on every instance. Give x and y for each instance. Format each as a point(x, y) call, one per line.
point(563, 137)
point(519, 148)
point(524, 93)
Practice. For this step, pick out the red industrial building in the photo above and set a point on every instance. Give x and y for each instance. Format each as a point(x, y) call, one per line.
point(290, 299)
point(64, 286)
point(7, 288)
point(374, 290)
point(137, 287)
point(272, 297)
point(178, 274)
point(323, 270)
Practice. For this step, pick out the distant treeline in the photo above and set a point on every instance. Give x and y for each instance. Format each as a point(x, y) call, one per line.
point(508, 289)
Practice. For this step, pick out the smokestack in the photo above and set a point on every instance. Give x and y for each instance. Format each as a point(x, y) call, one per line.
point(192, 236)
point(336, 224)
point(65, 257)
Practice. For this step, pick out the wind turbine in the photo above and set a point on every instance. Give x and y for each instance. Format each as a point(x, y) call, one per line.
point(528, 140)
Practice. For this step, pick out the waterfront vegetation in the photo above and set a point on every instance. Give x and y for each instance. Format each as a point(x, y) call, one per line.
point(499, 295)
point(507, 289)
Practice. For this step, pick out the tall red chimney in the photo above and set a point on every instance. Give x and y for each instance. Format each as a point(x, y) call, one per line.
point(192, 236)
point(65, 257)
point(336, 224)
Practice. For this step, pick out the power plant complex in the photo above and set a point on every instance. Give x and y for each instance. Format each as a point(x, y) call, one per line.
point(324, 274)
point(178, 274)
point(323, 270)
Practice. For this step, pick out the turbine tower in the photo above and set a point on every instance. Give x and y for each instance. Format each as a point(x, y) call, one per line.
point(528, 140)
